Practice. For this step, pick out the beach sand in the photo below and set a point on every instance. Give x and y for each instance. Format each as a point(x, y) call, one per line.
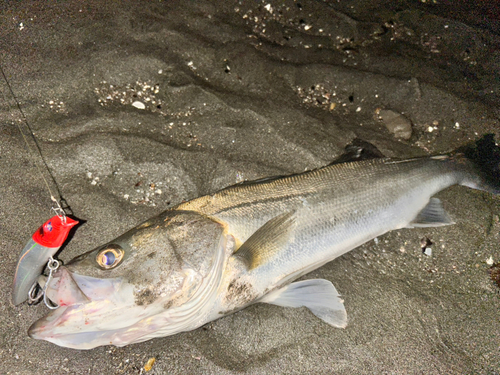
point(137, 106)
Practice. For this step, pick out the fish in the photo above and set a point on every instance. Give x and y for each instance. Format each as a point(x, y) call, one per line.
point(248, 243)
point(44, 244)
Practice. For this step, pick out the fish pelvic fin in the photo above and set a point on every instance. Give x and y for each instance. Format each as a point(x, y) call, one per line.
point(267, 241)
point(432, 215)
point(318, 295)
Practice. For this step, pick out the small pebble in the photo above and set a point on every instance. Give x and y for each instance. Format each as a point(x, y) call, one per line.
point(149, 364)
point(396, 123)
point(138, 105)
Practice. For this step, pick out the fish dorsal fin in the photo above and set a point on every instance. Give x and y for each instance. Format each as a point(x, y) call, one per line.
point(432, 215)
point(267, 241)
point(358, 150)
point(318, 295)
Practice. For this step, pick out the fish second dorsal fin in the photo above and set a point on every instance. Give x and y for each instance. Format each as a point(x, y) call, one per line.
point(267, 241)
point(358, 150)
point(318, 295)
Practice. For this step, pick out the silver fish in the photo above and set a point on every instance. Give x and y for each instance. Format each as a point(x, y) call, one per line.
point(220, 253)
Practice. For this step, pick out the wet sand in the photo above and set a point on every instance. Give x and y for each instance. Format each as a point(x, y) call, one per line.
point(138, 106)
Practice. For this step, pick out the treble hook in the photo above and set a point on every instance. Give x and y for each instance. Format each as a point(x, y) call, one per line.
point(52, 265)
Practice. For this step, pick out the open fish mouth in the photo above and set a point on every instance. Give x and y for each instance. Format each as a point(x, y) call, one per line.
point(90, 311)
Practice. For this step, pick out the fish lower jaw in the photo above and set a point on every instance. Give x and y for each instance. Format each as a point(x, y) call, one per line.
point(76, 336)
point(80, 341)
point(83, 327)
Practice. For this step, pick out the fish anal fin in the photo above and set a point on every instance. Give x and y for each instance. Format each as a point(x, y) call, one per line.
point(267, 241)
point(318, 295)
point(432, 215)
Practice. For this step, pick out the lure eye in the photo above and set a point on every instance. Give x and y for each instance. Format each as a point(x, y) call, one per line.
point(110, 257)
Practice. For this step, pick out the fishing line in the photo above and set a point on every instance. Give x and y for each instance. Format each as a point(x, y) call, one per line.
point(49, 238)
point(61, 203)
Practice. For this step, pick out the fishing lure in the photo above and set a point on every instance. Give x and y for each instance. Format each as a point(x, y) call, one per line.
point(42, 246)
point(47, 240)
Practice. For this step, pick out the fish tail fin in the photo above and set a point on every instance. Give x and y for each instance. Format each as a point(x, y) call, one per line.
point(483, 156)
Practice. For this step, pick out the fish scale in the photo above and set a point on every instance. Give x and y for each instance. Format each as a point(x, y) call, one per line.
point(337, 208)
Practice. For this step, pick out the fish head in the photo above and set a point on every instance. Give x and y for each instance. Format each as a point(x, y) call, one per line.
point(158, 279)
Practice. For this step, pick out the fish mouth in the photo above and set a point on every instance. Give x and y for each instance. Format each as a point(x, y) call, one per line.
point(90, 311)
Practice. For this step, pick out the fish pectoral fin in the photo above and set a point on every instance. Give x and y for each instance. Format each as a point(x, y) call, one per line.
point(432, 215)
point(267, 241)
point(318, 295)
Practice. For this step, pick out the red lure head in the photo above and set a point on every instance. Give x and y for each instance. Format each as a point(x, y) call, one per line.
point(54, 232)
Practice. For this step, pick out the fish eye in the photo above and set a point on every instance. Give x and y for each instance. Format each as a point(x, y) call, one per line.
point(110, 256)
